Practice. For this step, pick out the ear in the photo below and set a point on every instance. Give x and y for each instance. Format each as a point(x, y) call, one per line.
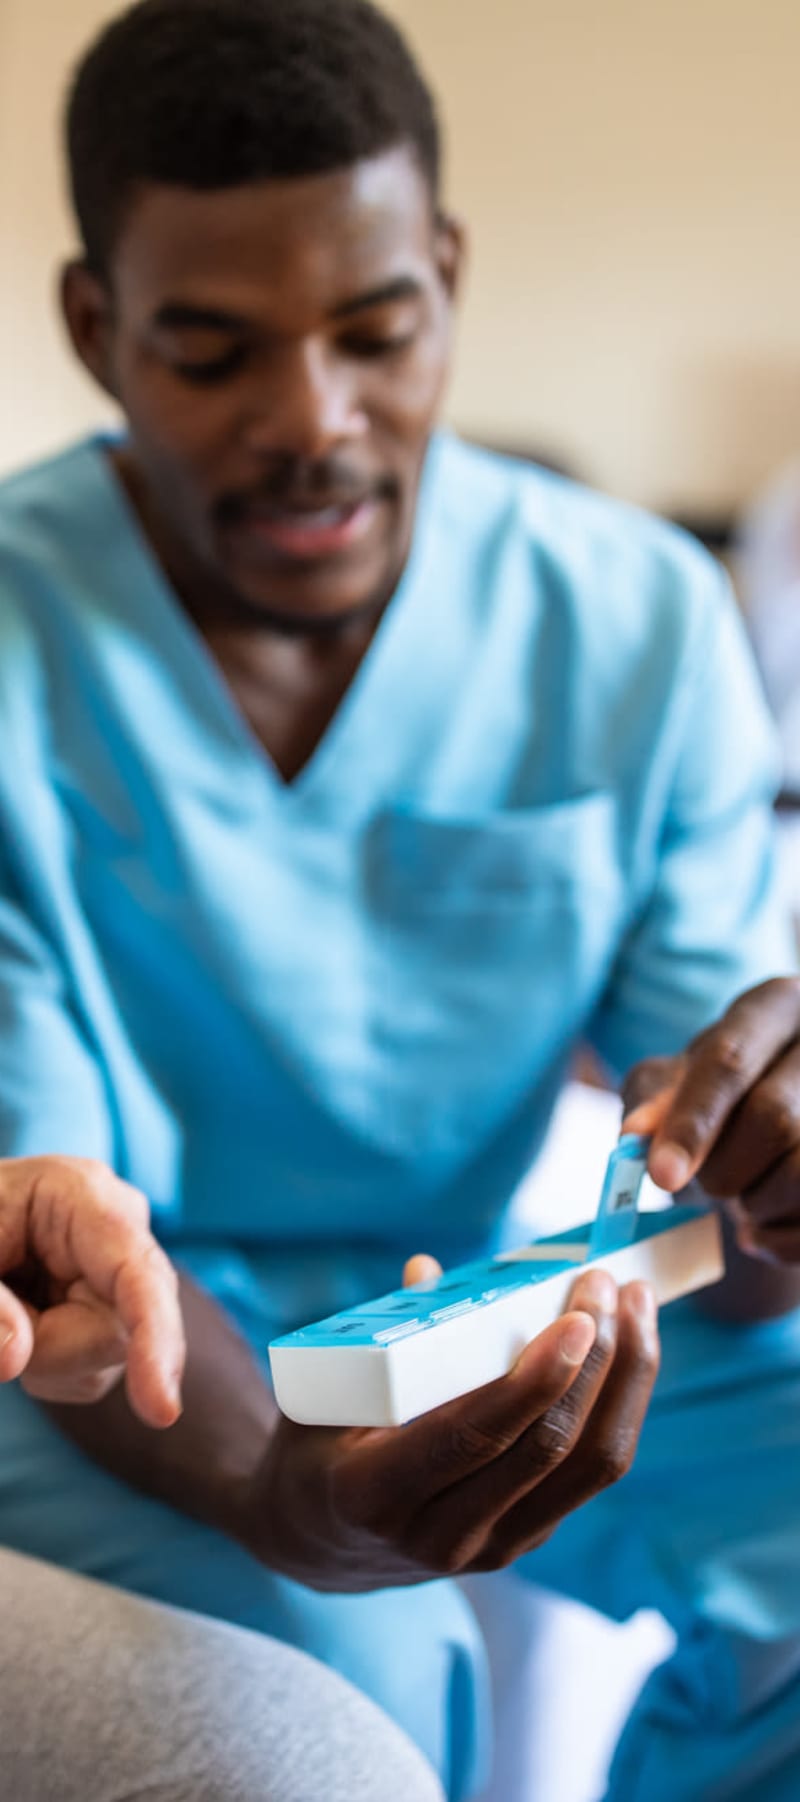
point(451, 248)
point(87, 309)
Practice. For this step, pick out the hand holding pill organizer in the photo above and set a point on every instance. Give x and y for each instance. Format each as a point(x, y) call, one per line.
point(386, 1362)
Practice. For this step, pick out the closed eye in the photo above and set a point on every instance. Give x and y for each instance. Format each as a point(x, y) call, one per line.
point(215, 369)
point(373, 348)
point(365, 346)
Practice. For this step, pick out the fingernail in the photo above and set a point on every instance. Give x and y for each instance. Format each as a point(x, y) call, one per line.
point(637, 1119)
point(643, 1304)
point(596, 1290)
point(172, 1390)
point(670, 1167)
point(577, 1338)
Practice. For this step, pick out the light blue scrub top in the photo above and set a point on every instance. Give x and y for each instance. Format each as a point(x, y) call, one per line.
point(323, 1025)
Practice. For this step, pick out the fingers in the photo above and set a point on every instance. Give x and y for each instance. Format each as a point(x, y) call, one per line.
point(719, 1070)
point(762, 1132)
point(733, 1114)
point(598, 1451)
point(779, 1244)
point(145, 1293)
point(421, 1269)
point(512, 1459)
point(82, 1223)
point(113, 1250)
point(16, 1336)
point(648, 1118)
point(79, 1351)
point(646, 1092)
point(454, 1529)
point(398, 1473)
point(766, 1214)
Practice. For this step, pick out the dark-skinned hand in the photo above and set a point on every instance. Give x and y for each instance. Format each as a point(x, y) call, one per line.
point(728, 1113)
point(474, 1484)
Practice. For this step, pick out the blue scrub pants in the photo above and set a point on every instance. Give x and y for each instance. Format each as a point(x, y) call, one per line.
point(706, 1528)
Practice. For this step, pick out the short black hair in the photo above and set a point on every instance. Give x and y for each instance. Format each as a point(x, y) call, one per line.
point(210, 94)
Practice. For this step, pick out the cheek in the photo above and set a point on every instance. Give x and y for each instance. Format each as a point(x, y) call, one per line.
point(409, 394)
point(181, 427)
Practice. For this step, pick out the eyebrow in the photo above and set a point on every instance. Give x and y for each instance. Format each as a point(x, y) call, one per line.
point(177, 316)
point(181, 317)
point(404, 287)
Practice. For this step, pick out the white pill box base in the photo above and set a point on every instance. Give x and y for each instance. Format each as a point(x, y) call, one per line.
point(320, 1381)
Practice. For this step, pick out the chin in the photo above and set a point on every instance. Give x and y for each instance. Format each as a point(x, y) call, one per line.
point(309, 597)
point(303, 610)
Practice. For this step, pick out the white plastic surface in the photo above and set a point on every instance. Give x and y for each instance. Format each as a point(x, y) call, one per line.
point(380, 1386)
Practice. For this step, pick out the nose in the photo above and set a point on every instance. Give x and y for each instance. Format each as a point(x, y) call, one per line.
point(307, 406)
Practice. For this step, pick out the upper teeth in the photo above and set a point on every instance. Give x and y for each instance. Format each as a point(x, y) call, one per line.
point(329, 516)
point(311, 521)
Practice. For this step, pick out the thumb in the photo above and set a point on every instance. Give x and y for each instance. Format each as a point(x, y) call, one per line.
point(648, 1092)
point(648, 1117)
point(16, 1336)
point(421, 1269)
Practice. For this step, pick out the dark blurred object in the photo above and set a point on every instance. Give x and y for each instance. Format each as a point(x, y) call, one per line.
point(717, 531)
point(788, 801)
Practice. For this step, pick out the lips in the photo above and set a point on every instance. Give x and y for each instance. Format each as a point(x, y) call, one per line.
point(311, 531)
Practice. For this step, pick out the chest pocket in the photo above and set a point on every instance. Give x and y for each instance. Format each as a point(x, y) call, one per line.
point(493, 938)
point(424, 864)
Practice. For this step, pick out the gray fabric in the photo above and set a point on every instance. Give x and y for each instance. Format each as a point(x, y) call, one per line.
point(105, 1698)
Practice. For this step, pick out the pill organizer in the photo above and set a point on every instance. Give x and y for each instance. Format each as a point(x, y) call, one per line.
point(386, 1362)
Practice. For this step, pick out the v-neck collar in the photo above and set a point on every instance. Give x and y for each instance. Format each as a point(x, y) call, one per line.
point(358, 747)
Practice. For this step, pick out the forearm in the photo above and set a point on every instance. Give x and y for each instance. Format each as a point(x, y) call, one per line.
point(204, 1465)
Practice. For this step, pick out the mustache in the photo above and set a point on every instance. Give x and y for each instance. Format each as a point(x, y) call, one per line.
point(297, 483)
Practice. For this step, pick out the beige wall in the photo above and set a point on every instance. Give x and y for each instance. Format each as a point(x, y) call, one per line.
point(630, 169)
point(43, 398)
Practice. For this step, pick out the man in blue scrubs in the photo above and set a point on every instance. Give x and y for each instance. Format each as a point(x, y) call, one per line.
point(350, 777)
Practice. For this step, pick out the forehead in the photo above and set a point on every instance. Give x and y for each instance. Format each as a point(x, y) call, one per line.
point(314, 241)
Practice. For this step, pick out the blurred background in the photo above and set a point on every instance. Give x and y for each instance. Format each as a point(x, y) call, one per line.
point(629, 173)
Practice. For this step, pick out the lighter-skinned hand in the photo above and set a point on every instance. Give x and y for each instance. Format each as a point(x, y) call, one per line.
point(89, 1296)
